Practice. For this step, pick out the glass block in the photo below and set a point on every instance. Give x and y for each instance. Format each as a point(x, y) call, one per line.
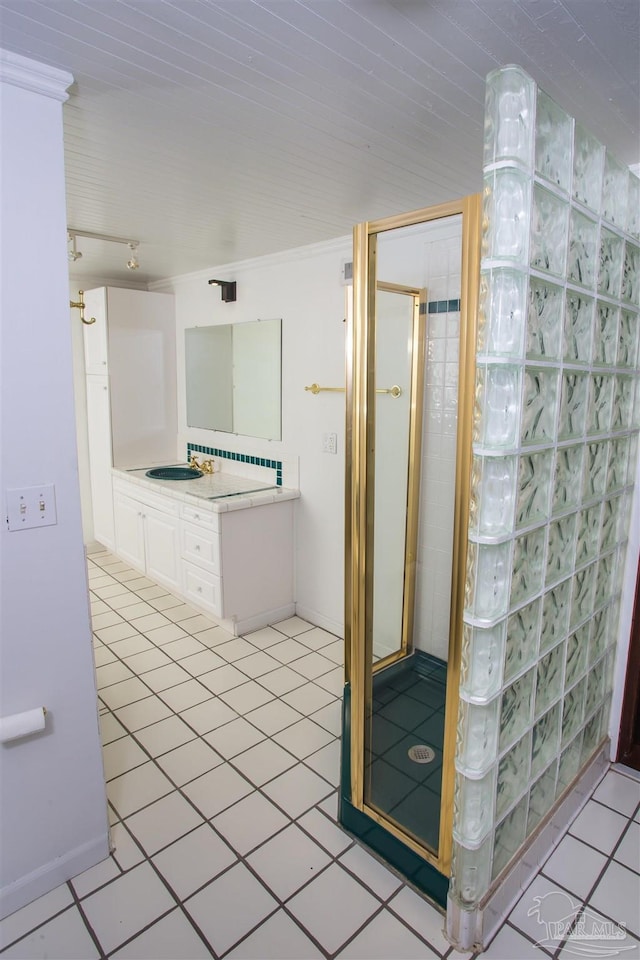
point(609, 661)
point(622, 412)
point(605, 718)
point(516, 709)
point(510, 835)
point(554, 134)
point(628, 337)
point(595, 687)
point(561, 548)
point(582, 596)
point(523, 632)
point(573, 710)
point(549, 229)
point(474, 808)
point(605, 334)
point(588, 165)
point(502, 312)
point(471, 872)
point(513, 774)
point(477, 737)
point(609, 528)
point(506, 216)
point(618, 464)
point(610, 263)
point(556, 605)
point(569, 764)
point(624, 517)
point(578, 327)
point(482, 661)
point(615, 187)
point(588, 533)
point(631, 273)
point(567, 478)
point(574, 388)
point(549, 679)
point(634, 442)
point(544, 320)
point(591, 738)
point(497, 406)
point(633, 208)
point(546, 740)
point(598, 633)
point(595, 469)
point(539, 405)
point(488, 580)
point(534, 480)
point(600, 403)
point(527, 566)
point(493, 495)
point(604, 579)
point(582, 257)
point(541, 797)
point(509, 116)
point(577, 653)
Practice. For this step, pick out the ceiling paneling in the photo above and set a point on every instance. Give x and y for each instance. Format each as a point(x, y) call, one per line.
point(217, 131)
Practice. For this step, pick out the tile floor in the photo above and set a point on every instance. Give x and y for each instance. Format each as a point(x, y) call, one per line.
point(221, 757)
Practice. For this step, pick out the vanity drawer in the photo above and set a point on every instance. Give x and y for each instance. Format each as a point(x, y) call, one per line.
point(202, 546)
point(203, 518)
point(203, 588)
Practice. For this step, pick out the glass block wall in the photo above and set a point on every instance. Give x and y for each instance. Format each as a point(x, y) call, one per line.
point(555, 446)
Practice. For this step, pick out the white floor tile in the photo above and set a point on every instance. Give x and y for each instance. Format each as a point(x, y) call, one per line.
point(332, 837)
point(316, 638)
point(185, 695)
point(162, 822)
point(128, 691)
point(598, 826)
point(151, 622)
point(216, 790)
point(308, 698)
point(297, 790)
point(246, 697)
point(235, 649)
point(618, 896)
point(385, 937)
point(194, 860)
point(287, 861)
point(222, 679)
point(278, 938)
point(543, 902)
point(189, 761)
point(509, 944)
point(127, 905)
point(628, 851)
point(196, 624)
point(273, 717)
point(374, 874)
point(263, 762)
point(234, 738)
point(103, 655)
point(148, 660)
point(332, 681)
point(257, 664)
point(169, 938)
point(152, 593)
point(264, 638)
point(131, 645)
point(136, 716)
point(332, 907)
point(124, 600)
point(423, 918)
point(329, 717)
point(19, 923)
point(620, 792)
point(288, 650)
point(201, 662)
point(142, 610)
point(95, 877)
point(326, 762)
point(167, 633)
point(335, 652)
point(66, 936)
point(137, 788)
point(312, 666)
point(105, 620)
point(282, 681)
point(164, 602)
point(184, 647)
point(293, 627)
point(596, 936)
point(213, 637)
point(122, 755)
point(303, 738)
point(164, 677)
point(230, 907)
point(574, 866)
point(182, 612)
point(126, 852)
point(206, 716)
point(110, 728)
point(165, 735)
point(118, 632)
point(249, 822)
point(112, 673)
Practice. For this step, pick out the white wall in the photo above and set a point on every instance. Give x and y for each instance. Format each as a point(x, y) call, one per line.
point(52, 793)
point(303, 287)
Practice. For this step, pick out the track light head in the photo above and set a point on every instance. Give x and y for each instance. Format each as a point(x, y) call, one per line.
point(227, 289)
point(132, 262)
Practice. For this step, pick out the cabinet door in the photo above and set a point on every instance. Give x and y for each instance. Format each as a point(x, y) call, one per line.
point(162, 547)
point(99, 438)
point(129, 531)
point(95, 334)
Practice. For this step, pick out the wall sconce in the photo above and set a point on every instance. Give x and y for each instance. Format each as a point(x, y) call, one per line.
point(227, 288)
point(132, 262)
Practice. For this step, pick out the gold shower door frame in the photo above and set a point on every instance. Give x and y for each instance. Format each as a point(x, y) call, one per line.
point(359, 507)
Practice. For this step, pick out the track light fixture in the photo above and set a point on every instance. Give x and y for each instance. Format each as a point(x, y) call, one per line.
point(132, 262)
point(227, 289)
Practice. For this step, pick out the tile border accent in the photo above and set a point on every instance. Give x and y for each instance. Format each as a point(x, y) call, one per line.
point(239, 457)
point(443, 306)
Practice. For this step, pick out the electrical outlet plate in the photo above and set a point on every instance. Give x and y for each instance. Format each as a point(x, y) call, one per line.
point(31, 507)
point(329, 442)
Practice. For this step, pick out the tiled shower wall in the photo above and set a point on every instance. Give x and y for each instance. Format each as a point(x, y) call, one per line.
point(555, 447)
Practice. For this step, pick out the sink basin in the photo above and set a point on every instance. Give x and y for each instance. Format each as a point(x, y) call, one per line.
point(174, 473)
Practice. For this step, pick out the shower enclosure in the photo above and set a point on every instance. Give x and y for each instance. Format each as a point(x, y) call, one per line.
point(409, 411)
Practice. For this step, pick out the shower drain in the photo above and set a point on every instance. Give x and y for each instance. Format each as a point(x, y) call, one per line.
point(421, 753)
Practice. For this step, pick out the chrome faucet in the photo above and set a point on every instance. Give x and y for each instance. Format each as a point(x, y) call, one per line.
point(206, 466)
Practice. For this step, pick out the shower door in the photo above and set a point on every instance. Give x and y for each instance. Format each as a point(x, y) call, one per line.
point(408, 460)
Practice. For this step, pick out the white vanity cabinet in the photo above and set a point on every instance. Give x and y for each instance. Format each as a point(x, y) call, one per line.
point(147, 536)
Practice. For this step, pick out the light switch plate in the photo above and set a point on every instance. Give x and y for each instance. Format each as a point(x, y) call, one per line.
point(31, 507)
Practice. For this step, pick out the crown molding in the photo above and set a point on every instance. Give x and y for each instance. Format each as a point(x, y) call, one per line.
point(36, 77)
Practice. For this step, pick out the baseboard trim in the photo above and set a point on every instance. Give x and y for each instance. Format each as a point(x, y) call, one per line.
point(35, 884)
point(318, 620)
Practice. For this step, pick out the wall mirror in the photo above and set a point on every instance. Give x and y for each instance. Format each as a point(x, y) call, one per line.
point(234, 378)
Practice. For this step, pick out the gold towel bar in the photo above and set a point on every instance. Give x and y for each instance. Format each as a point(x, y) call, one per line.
point(315, 388)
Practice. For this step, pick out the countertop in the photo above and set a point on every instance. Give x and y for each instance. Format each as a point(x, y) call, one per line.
point(218, 492)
